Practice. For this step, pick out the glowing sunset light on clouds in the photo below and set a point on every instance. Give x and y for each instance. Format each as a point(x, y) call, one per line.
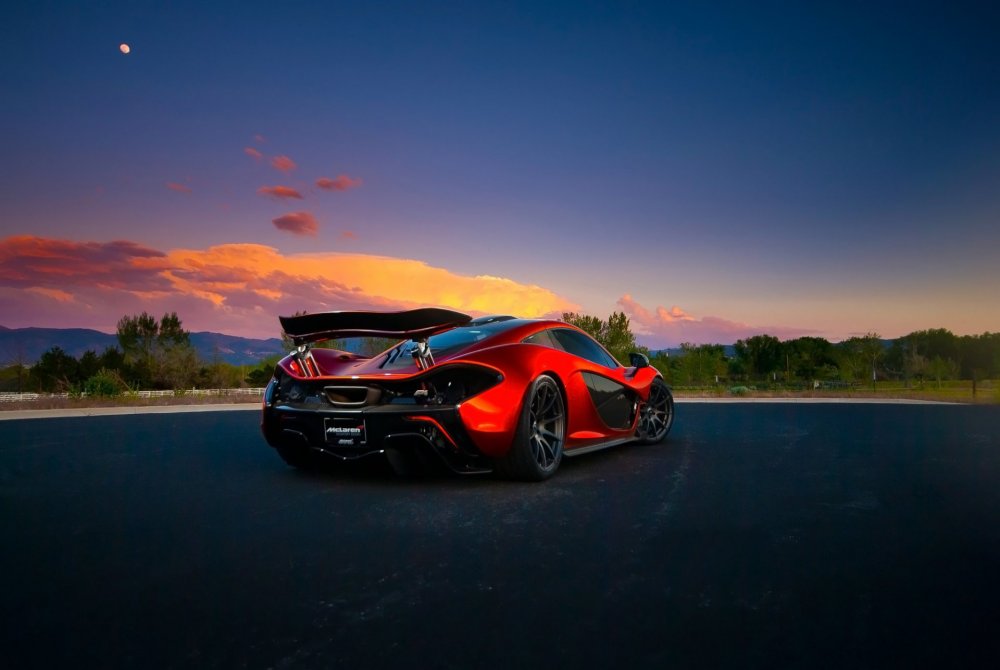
point(235, 288)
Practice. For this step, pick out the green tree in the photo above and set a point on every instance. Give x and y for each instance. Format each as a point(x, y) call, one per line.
point(859, 356)
point(808, 358)
point(760, 355)
point(940, 369)
point(701, 364)
point(261, 373)
point(157, 353)
point(176, 362)
point(171, 332)
point(911, 356)
point(55, 371)
point(90, 363)
point(661, 361)
point(176, 367)
point(615, 334)
point(902, 359)
point(112, 359)
point(591, 325)
point(18, 372)
point(980, 356)
point(136, 336)
point(617, 337)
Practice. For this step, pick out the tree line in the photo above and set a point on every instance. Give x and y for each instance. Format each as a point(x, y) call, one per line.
point(157, 354)
point(924, 356)
point(151, 354)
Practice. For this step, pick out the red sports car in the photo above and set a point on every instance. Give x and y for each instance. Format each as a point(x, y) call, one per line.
point(493, 393)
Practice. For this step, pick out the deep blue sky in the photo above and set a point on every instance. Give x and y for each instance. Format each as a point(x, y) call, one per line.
point(831, 168)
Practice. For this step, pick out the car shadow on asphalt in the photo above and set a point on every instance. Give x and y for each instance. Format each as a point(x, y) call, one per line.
point(378, 470)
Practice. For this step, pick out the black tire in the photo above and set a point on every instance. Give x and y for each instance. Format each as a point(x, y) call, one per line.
point(537, 450)
point(297, 455)
point(656, 416)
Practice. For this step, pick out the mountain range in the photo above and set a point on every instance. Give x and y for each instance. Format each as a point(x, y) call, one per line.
point(26, 345)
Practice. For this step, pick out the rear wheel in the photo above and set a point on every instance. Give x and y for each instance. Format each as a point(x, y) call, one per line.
point(538, 442)
point(657, 414)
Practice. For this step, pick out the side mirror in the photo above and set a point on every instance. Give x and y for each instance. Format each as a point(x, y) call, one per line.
point(637, 361)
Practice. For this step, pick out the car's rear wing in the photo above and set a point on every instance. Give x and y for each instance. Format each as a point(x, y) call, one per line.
point(416, 324)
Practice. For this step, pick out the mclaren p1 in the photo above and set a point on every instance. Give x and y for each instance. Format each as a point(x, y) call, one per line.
point(494, 393)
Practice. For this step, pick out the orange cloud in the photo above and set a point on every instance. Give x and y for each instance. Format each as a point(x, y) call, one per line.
point(253, 153)
point(664, 327)
point(235, 288)
point(283, 163)
point(179, 188)
point(280, 192)
point(338, 183)
point(297, 223)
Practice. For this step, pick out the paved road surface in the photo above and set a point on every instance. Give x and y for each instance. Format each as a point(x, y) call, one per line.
point(780, 535)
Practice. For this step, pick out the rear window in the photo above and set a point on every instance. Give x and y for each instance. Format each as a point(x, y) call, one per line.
point(447, 343)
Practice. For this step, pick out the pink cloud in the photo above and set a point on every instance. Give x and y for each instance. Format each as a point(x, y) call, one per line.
point(253, 153)
point(179, 188)
point(27, 261)
point(297, 223)
point(664, 327)
point(280, 192)
point(259, 139)
point(339, 183)
point(283, 163)
point(52, 293)
point(348, 235)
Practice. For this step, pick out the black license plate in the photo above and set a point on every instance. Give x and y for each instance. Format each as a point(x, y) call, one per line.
point(344, 431)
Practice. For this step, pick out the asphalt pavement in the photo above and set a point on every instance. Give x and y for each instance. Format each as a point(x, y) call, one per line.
point(759, 535)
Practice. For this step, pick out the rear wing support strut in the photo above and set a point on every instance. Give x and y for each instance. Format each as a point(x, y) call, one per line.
point(422, 355)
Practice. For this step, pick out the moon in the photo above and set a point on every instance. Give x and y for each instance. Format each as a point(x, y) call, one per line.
point(124, 48)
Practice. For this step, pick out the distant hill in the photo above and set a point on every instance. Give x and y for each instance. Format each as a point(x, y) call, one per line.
point(28, 344)
point(235, 350)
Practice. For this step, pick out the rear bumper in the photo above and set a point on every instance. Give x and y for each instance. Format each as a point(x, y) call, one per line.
point(375, 431)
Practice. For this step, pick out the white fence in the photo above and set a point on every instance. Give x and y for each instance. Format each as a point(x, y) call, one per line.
point(30, 397)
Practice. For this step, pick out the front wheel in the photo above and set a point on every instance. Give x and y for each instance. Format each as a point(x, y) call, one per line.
point(538, 442)
point(657, 414)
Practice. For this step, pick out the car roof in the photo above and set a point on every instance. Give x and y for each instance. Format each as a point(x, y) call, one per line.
point(504, 331)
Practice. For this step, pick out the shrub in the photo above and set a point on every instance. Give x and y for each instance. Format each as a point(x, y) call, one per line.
point(739, 390)
point(105, 384)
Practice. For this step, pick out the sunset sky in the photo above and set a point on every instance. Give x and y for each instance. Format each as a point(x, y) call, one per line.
point(715, 170)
